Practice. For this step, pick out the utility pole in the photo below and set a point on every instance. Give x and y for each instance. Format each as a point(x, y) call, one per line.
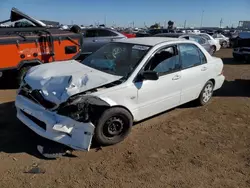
point(185, 24)
point(221, 21)
point(105, 20)
point(202, 17)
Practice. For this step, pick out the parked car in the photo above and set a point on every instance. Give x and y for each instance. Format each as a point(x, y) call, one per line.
point(215, 43)
point(129, 34)
point(202, 41)
point(95, 38)
point(151, 32)
point(27, 45)
point(121, 83)
point(241, 46)
point(223, 40)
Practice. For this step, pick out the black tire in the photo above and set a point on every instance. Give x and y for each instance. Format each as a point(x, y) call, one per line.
point(111, 119)
point(200, 100)
point(247, 58)
point(21, 73)
point(238, 57)
point(224, 44)
point(213, 50)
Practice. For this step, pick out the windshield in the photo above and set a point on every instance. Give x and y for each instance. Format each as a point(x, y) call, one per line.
point(117, 58)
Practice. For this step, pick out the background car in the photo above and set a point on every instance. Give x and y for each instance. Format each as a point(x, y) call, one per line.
point(223, 40)
point(241, 47)
point(215, 43)
point(151, 32)
point(193, 37)
point(95, 38)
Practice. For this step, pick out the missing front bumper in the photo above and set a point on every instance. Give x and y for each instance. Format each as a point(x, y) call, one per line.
point(61, 129)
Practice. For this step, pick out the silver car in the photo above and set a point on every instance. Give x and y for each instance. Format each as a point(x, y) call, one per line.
point(95, 38)
point(199, 39)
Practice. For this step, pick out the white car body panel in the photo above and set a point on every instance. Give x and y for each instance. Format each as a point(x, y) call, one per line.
point(213, 41)
point(141, 99)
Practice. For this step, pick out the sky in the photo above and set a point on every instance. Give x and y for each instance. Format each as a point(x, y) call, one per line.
point(124, 12)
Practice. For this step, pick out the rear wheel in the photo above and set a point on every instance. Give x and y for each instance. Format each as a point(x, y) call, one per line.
point(238, 57)
point(206, 93)
point(113, 126)
point(213, 49)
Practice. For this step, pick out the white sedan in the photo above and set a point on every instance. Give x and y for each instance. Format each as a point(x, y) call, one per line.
point(214, 43)
point(123, 82)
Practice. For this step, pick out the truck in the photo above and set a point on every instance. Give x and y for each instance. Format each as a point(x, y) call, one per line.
point(31, 43)
point(241, 46)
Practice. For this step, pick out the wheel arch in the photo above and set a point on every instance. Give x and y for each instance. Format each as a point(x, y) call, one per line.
point(29, 63)
point(213, 81)
point(121, 106)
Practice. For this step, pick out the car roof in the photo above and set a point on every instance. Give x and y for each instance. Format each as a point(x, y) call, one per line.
point(149, 41)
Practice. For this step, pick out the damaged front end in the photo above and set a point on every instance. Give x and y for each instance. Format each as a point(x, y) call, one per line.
point(83, 108)
point(72, 123)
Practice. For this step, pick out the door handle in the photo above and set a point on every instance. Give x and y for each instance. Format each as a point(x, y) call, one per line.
point(176, 77)
point(203, 68)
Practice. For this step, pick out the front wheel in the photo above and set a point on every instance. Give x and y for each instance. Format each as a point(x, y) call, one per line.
point(113, 126)
point(224, 44)
point(206, 93)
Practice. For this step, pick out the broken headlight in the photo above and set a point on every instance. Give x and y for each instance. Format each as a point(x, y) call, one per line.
point(74, 110)
point(83, 108)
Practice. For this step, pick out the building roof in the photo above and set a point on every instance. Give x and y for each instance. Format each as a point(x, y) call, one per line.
point(150, 41)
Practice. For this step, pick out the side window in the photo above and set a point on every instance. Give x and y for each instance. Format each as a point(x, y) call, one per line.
point(90, 33)
point(164, 61)
point(106, 33)
point(202, 57)
point(215, 36)
point(190, 56)
point(202, 41)
point(206, 37)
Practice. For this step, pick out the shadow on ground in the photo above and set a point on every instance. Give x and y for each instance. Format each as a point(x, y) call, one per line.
point(15, 137)
point(9, 81)
point(235, 88)
point(232, 61)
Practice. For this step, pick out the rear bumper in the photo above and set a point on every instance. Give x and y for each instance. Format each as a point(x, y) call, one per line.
point(219, 82)
point(52, 126)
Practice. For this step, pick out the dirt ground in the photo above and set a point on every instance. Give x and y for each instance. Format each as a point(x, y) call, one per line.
point(189, 146)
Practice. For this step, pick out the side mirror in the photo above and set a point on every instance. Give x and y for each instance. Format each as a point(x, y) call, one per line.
point(149, 75)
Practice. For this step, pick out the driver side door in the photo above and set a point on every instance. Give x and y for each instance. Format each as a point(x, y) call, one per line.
point(156, 96)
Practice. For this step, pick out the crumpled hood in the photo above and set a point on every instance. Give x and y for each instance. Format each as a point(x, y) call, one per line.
point(60, 80)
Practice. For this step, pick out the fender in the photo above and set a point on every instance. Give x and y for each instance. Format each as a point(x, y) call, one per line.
point(114, 104)
point(28, 62)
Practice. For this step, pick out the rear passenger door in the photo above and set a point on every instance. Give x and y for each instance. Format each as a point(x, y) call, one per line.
point(194, 71)
point(89, 41)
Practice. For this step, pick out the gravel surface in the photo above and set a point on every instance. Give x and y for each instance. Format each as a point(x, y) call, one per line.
point(196, 147)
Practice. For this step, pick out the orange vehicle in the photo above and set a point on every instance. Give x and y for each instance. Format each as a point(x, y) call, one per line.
point(22, 47)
